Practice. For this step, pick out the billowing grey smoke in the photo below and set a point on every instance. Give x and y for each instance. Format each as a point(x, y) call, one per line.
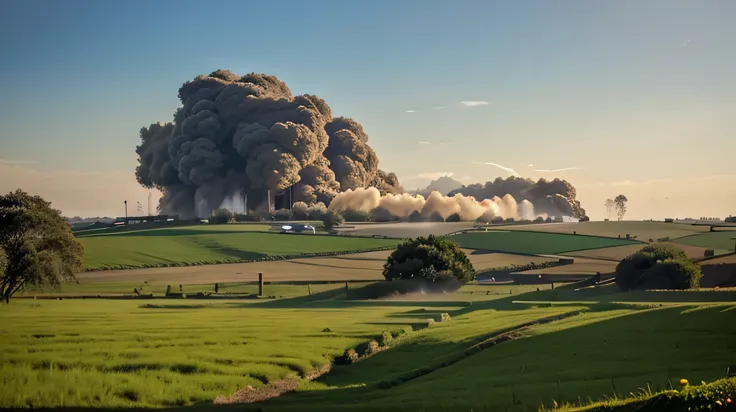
point(249, 135)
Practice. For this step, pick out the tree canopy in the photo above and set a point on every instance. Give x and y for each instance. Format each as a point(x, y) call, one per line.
point(428, 258)
point(658, 266)
point(37, 247)
point(620, 202)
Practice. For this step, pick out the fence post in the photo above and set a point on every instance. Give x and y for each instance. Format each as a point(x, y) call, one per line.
point(347, 289)
point(309, 289)
point(260, 284)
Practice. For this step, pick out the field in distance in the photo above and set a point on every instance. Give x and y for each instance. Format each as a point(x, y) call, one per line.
point(354, 267)
point(642, 230)
point(208, 243)
point(533, 242)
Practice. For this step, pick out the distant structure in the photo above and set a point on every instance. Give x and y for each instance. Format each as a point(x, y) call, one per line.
point(297, 228)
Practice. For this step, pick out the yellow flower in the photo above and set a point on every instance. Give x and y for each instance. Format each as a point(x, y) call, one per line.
point(683, 382)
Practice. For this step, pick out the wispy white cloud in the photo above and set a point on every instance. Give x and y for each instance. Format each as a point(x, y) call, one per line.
point(530, 165)
point(16, 162)
point(557, 170)
point(411, 111)
point(439, 107)
point(473, 103)
point(425, 142)
point(507, 169)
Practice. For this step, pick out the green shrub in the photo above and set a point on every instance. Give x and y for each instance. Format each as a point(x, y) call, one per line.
point(657, 265)
point(222, 216)
point(356, 216)
point(539, 219)
point(283, 214)
point(415, 216)
point(731, 219)
point(331, 219)
point(675, 273)
point(430, 258)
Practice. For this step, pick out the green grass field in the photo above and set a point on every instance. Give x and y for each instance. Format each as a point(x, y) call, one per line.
point(721, 242)
point(166, 353)
point(212, 243)
point(642, 230)
point(533, 242)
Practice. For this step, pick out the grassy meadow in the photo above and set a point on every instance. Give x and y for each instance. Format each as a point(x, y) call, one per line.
point(721, 242)
point(207, 243)
point(533, 242)
point(641, 230)
point(167, 353)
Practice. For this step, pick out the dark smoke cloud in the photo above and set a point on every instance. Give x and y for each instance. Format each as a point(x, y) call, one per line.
point(249, 135)
point(554, 197)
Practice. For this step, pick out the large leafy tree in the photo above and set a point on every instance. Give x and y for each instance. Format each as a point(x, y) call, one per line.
point(620, 202)
point(428, 258)
point(37, 247)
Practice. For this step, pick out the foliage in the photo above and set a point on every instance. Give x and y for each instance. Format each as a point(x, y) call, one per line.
point(222, 216)
point(283, 215)
point(585, 219)
point(539, 219)
point(680, 273)
point(430, 258)
point(332, 219)
point(620, 202)
point(38, 247)
point(658, 265)
point(731, 219)
point(356, 216)
point(455, 217)
point(300, 210)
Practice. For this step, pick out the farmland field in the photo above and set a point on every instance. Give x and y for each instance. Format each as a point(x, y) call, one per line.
point(721, 242)
point(533, 242)
point(580, 267)
point(208, 244)
point(354, 267)
point(404, 229)
point(642, 230)
point(619, 252)
point(164, 353)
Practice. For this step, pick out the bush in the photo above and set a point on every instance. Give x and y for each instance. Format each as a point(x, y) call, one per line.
point(283, 214)
point(731, 219)
point(300, 210)
point(455, 217)
point(381, 214)
point(331, 219)
point(539, 219)
point(675, 273)
point(585, 219)
point(430, 258)
point(657, 265)
point(356, 216)
point(415, 216)
point(222, 216)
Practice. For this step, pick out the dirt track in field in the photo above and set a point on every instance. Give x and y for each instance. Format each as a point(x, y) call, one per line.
point(361, 266)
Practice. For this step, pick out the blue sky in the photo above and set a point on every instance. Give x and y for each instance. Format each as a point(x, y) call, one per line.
point(628, 90)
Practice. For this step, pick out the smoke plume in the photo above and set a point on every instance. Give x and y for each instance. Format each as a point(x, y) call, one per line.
point(550, 197)
point(249, 136)
point(435, 205)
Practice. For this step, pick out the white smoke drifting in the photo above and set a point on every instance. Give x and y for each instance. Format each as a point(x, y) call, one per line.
point(403, 205)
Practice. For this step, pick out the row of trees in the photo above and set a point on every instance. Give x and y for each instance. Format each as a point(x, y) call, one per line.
point(618, 204)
